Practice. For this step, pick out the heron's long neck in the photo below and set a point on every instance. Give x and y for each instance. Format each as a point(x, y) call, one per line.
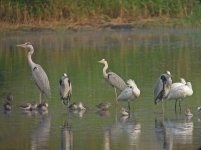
point(31, 63)
point(104, 70)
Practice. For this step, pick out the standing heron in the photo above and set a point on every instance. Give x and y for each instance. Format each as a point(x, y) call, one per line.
point(162, 87)
point(131, 92)
point(65, 89)
point(112, 78)
point(180, 92)
point(39, 75)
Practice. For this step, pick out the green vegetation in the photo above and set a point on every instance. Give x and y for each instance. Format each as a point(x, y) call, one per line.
point(95, 11)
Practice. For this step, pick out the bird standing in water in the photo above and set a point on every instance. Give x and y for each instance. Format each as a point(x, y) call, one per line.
point(112, 78)
point(39, 75)
point(8, 104)
point(162, 87)
point(130, 93)
point(104, 105)
point(180, 92)
point(65, 89)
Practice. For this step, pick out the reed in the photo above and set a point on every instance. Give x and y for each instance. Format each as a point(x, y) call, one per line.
point(36, 11)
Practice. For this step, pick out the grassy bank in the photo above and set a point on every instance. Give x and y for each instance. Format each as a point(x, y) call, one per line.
point(94, 12)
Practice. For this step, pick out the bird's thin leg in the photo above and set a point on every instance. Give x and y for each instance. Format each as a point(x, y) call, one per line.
point(175, 107)
point(180, 105)
point(129, 108)
point(115, 90)
point(40, 97)
point(162, 106)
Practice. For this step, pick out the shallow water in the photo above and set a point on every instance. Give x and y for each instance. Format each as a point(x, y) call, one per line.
point(139, 54)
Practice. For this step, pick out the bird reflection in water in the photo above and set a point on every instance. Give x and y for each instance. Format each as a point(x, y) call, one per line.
point(129, 127)
point(79, 113)
point(103, 113)
point(41, 133)
point(174, 133)
point(66, 137)
point(106, 140)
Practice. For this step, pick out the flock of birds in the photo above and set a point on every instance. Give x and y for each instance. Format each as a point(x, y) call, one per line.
point(164, 88)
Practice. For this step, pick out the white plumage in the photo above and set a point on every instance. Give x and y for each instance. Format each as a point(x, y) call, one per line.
point(180, 91)
point(131, 92)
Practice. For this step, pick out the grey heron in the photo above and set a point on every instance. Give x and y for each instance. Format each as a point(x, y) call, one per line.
point(39, 75)
point(104, 105)
point(112, 78)
point(180, 92)
point(65, 89)
point(162, 87)
point(131, 92)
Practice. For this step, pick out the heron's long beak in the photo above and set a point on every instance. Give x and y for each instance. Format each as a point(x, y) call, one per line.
point(21, 45)
point(100, 61)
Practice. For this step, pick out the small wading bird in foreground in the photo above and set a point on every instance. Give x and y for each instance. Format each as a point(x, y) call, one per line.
point(162, 87)
point(76, 106)
point(131, 92)
point(179, 92)
point(8, 104)
point(124, 112)
point(65, 89)
point(104, 105)
point(112, 78)
point(39, 75)
point(28, 106)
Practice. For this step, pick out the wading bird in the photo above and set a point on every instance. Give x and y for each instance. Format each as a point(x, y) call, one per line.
point(76, 106)
point(112, 78)
point(26, 106)
point(65, 89)
point(8, 104)
point(131, 92)
point(43, 106)
point(180, 92)
point(162, 87)
point(124, 112)
point(104, 106)
point(39, 75)
point(188, 112)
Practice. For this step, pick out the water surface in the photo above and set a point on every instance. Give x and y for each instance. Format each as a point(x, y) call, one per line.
point(139, 54)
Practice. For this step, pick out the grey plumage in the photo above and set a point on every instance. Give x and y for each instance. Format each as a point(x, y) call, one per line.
point(116, 81)
point(112, 78)
point(162, 87)
point(39, 75)
point(65, 89)
point(41, 80)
